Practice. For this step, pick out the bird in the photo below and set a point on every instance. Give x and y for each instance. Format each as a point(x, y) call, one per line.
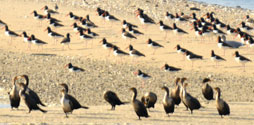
point(85, 23)
point(165, 28)
point(112, 98)
point(215, 58)
point(134, 31)
point(135, 53)
point(32, 94)
point(56, 7)
point(181, 92)
point(221, 105)
point(10, 33)
point(29, 101)
point(51, 18)
point(53, 34)
point(169, 16)
point(193, 57)
point(107, 45)
point(177, 30)
point(241, 59)
point(68, 102)
point(245, 28)
point(85, 37)
point(149, 99)
point(168, 68)
point(219, 24)
point(72, 16)
point(73, 68)
point(49, 11)
point(66, 41)
point(175, 93)
point(109, 17)
point(126, 35)
point(100, 12)
point(217, 31)
point(118, 52)
point(77, 28)
point(37, 42)
point(126, 24)
point(93, 34)
point(142, 76)
point(168, 102)
point(248, 20)
point(154, 45)
point(190, 101)
point(38, 16)
point(54, 24)
point(223, 45)
point(230, 31)
point(27, 40)
point(138, 106)
point(207, 90)
point(181, 50)
point(14, 95)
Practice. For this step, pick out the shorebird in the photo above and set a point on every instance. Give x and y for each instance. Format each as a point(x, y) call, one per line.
point(244, 27)
point(135, 53)
point(85, 23)
point(73, 68)
point(53, 34)
point(107, 45)
point(51, 18)
point(72, 16)
point(168, 68)
point(169, 16)
point(193, 57)
point(48, 11)
point(66, 41)
point(248, 20)
point(154, 45)
point(126, 24)
point(27, 40)
point(177, 30)
point(77, 28)
point(119, 53)
point(38, 16)
point(223, 45)
point(85, 37)
point(241, 59)
point(181, 50)
point(10, 33)
point(37, 42)
point(55, 24)
point(134, 31)
point(165, 28)
point(143, 76)
point(215, 58)
point(127, 35)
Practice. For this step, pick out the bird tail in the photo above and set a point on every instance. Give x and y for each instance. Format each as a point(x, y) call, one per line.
point(84, 107)
point(125, 103)
point(44, 111)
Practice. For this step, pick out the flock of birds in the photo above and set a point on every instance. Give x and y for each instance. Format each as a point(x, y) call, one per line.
point(203, 27)
point(21, 91)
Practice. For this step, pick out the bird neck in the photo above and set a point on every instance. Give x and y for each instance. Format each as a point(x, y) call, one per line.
point(134, 96)
point(218, 95)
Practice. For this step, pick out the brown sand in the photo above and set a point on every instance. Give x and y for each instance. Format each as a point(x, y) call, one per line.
point(102, 72)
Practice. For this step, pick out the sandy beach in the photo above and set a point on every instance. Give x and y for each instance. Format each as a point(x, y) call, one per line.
point(46, 71)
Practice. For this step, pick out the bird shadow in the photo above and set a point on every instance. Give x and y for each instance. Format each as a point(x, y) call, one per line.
point(43, 54)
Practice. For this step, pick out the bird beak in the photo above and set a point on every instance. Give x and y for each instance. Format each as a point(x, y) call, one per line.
point(31, 12)
point(65, 67)
point(45, 30)
point(72, 24)
point(42, 8)
point(67, 14)
point(126, 47)
point(100, 41)
point(233, 54)
point(162, 67)
point(135, 73)
point(175, 47)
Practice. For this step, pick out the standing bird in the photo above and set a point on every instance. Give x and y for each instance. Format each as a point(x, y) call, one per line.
point(193, 57)
point(118, 52)
point(215, 58)
point(168, 103)
point(207, 90)
point(223, 45)
point(74, 68)
point(134, 31)
point(177, 30)
point(29, 91)
point(48, 11)
point(69, 103)
point(241, 59)
point(138, 106)
point(112, 98)
point(149, 99)
point(10, 33)
point(27, 40)
point(14, 95)
point(54, 24)
point(165, 28)
point(181, 50)
point(154, 45)
point(107, 45)
point(175, 93)
point(135, 53)
point(181, 92)
point(221, 105)
point(127, 24)
point(37, 42)
point(73, 17)
point(38, 16)
point(189, 100)
point(127, 35)
point(53, 34)
point(29, 100)
point(66, 41)
point(142, 76)
point(51, 18)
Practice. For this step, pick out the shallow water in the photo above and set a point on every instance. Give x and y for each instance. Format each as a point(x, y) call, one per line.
point(247, 4)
